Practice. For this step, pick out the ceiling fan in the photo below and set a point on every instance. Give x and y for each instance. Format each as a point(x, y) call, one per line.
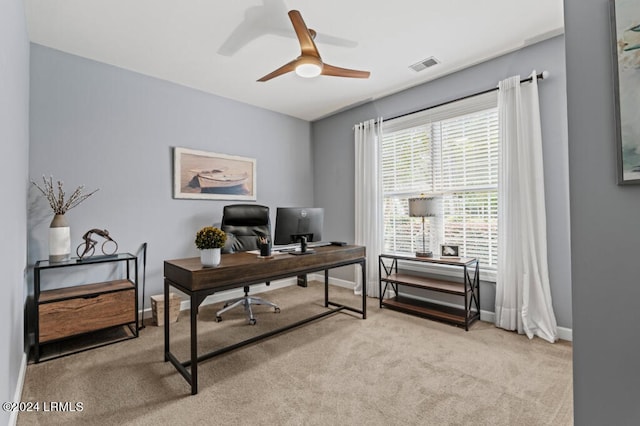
point(309, 63)
point(270, 17)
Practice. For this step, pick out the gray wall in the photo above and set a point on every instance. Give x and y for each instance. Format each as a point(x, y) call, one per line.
point(334, 152)
point(14, 134)
point(605, 231)
point(113, 129)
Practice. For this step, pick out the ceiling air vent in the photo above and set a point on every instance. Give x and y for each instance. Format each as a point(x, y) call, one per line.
point(424, 64)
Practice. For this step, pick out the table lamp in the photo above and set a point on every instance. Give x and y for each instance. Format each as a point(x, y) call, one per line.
point(423, 207)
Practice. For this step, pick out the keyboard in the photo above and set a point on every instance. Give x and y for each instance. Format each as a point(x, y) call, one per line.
point(296, 247)
point(319, 244)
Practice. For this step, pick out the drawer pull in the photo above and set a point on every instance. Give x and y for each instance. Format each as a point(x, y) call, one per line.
point(91, 296)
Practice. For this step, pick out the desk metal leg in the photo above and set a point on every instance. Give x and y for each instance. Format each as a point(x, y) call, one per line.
point(194, 344)
point(326, 288)
point(302, 280)
point(166, 321)
point(191, 376)
point(363, 265)
point(36, 297)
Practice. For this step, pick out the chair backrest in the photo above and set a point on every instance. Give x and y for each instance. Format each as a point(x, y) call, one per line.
point(244, 225)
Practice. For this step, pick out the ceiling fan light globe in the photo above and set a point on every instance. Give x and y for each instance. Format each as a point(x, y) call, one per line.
point(308, 70)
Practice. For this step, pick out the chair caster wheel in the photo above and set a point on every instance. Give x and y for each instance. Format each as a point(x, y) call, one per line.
point(276, 310)
point(218, 318)
point(252, 321)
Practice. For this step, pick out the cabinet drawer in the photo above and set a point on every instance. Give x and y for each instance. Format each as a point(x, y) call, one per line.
point(80, 315)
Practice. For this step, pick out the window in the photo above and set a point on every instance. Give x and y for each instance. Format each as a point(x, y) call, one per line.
point(450, 152)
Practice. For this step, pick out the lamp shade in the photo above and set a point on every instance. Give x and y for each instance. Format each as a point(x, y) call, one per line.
point(422, 207)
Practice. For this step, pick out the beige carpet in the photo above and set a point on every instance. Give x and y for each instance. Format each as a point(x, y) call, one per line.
point(390, 369)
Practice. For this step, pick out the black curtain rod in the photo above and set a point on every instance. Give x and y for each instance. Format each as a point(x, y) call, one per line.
point(540, 76)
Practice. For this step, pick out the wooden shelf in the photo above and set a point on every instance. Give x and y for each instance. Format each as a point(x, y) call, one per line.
point(428, 283)
point(426, 309)
point(85, 290)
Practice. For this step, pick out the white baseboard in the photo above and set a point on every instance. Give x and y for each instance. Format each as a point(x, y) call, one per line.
point(488, 316)
point(238, 292)
point(230, 294)
point(262, 288)
point(17, 396)
point(333, 281)
point(564, 333)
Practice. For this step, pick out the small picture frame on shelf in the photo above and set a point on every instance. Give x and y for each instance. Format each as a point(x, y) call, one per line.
point(449, 251)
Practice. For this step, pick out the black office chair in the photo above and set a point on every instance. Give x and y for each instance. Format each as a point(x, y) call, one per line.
point(245, 224)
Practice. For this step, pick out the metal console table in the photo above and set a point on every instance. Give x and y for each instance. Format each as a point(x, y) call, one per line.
point(65, 312)
point(468, 289)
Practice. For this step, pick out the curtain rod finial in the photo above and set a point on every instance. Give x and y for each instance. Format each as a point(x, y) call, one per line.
point(545, 74)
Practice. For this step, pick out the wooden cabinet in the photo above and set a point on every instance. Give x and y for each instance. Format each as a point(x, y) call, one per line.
point(466, 291)
point(66, 312)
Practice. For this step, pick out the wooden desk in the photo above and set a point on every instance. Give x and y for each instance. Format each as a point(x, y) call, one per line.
point(240, 269)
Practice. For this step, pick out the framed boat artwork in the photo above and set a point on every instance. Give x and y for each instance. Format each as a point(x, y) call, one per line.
point(211, 176)
point(625, 37)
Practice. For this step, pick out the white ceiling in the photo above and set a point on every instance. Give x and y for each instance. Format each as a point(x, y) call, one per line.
point(180, 41)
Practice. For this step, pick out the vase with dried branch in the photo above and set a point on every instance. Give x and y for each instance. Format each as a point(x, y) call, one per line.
point(59, 231)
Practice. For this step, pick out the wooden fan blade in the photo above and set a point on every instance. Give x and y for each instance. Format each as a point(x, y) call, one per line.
point(307, 46)
point(343, 72)
point(291, 66)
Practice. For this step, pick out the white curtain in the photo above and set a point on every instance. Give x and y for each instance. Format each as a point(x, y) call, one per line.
point(523, 296)
point(368, 201)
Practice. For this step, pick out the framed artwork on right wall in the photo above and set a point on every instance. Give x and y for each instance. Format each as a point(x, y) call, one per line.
point(625, 35)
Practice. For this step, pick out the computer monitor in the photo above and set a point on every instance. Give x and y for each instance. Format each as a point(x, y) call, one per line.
point(293, 223)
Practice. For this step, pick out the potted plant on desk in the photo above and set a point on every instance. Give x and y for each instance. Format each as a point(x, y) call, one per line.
point(210, 240)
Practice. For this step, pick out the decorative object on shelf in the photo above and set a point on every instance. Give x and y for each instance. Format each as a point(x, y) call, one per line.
point(450, 251)
point(59, 231)
point(59, 239)
point(210, 240)
point(423, 207)
point(625, 37)
point(209, 176)
point(88, 248)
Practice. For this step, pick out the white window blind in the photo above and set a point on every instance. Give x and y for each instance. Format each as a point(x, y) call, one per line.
point(450, 152)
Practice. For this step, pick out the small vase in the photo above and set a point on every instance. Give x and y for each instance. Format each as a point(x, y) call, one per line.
point(59, 239)
point(210, 257)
